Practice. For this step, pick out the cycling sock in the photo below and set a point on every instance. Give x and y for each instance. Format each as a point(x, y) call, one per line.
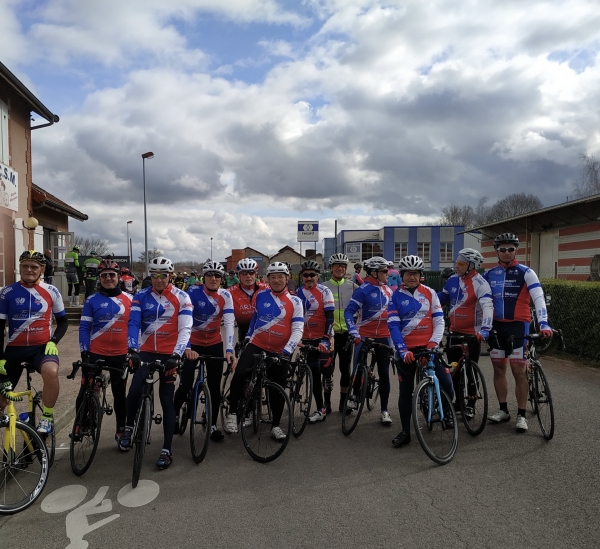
point(48, 412)
point(521, 412)
point(504, 407)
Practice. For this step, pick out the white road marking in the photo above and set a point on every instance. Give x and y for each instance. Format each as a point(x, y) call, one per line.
point(64, 498)
point(145, 492)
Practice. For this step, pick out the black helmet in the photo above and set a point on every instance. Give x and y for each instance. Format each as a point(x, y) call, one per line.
point(505, 238)
point(38, 257)
point(447, 272)
point(310, 265)
point(357, 266)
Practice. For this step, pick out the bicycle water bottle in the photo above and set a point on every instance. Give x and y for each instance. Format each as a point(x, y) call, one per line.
point(24, 417)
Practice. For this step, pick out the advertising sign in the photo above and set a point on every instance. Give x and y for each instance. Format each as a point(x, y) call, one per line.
point(308, 231)
point(9, 187)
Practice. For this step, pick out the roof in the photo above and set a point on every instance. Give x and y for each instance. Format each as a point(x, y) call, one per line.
point(43, 198)
point(36, 105)
point(567, 214)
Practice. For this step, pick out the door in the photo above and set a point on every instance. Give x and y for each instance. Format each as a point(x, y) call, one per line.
point(548, 254)
point(60, 244)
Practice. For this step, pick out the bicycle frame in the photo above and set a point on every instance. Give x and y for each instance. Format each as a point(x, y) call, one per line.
point(429, 371)
point(10, 436)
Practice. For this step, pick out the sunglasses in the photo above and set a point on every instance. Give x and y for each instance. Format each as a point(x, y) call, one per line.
point(309, 275)
point(504, 250)
point(244, 273)
point(162, 276)
point(108, 275)
point(384, 272)
point(213, 275)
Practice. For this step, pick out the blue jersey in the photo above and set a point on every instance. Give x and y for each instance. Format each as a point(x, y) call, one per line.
point(370, 302)
point(209, 308)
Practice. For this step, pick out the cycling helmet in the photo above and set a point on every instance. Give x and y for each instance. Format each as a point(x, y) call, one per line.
point(161, 265)
point(93, 252)
point(505, 238)
point(32, 255)
point(247, 264)
point(213, 267)
point(310, 265)
point(447, 273)
point(375, 264)
point(471, 257)
point(390, 264)
point(76, 249)
point(339, 259)
point(278, 267)
point(108, 265)
point(410, 263)
point(357, 266)
point(124, 270)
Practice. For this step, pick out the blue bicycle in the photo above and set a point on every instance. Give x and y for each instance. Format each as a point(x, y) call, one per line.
point(433, 415)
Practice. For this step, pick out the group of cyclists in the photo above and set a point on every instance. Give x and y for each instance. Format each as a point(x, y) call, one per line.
point(163, 322)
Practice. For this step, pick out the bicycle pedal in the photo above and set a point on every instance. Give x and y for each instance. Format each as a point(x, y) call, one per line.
point(108, 410)
point(157, 419)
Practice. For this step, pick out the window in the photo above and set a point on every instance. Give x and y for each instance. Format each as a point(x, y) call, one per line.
point(424, 251)
point(446, 252)
point(370, 249)
point(400, 251)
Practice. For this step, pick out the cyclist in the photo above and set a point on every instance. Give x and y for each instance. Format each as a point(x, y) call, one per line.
point(342, 291)
point(393, 277)
point(192, 280)
point(211, 304)
point(179, 281)
point(276, 328)
point(71, 268)
point(416, 323)
point(103, 336)
point(318, 304)
point(159, 328)
point(292, 286)
point(231, 279)
point(28, 306)
point(356, 278)
point(128, 282)
point(91, 273)
point(370, 302)
point(513, 285)
point(243, 295)
point(49, 270)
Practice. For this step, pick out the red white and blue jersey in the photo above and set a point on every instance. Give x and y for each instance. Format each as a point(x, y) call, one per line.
point(28, 309)
point(243, 302)
point(278, 321)
point(209, 307)
point(160, 323)
point(512, 287)
point(416, 318)
point(316, 301)
point(370, 301)
point(103, 326)
point(470, 303)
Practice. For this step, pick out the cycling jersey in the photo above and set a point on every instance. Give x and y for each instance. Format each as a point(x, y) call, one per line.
point(243, 302)
point(342, 294)
point(71, 262)
point(316, 301)
point(165, 321)
point(394, 279)
point(91, 268)
point(29, 310)
point(470, 300)
point(278, 321)
point(103, 326)
point(128, 283)
point(416, 318)
point(512, 288)
point(370, 301)
point(209, 307)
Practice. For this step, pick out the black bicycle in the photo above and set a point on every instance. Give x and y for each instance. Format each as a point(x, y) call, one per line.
point(85, 433)
point(300, 387)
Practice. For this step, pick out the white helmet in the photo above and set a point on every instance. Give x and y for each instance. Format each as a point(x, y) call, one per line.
point(410, 263)
point(339, 259)
point(213, 267)
point(390, 264)
point(247, 264)
point(161, 265)
point(375, 264)
point(468, 256)
point(278, 267)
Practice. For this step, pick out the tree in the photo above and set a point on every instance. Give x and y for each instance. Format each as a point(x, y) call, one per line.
point(513, 205)
point(154, 252)
point(589, 181)
point(86, 245)
point(457, 215)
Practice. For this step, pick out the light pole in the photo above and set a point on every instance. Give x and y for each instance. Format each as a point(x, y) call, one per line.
point(211, 248)
point(147, 155)
point(127, 243)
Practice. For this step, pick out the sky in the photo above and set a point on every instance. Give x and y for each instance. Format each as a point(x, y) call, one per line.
point(261, 113)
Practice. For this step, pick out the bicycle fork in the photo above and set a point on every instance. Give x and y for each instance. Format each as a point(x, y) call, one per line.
point(430, 373)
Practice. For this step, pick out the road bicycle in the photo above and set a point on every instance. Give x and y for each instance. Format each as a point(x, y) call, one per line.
point(85, 433)
point(300, 387)
point(433, 415)
point(470, 387)
point(24, 460)
point(543, 344)
point(363, 384)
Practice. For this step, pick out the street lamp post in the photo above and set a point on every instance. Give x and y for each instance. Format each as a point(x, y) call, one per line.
point(147, 155)
point(211, 248)
point(127, 243)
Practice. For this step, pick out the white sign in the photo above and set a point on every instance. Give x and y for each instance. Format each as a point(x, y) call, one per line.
point(308, 231)
point(9, 187)
point(353, 252)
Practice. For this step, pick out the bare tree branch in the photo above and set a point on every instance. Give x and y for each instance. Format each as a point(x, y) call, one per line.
point(86, 245)
point(589, 181)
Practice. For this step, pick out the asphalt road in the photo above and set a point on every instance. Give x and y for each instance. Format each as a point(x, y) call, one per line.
point(502, 489)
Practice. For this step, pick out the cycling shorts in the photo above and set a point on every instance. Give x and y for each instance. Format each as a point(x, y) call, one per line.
point(72, 278)
point(503, 347)
point(16, 355)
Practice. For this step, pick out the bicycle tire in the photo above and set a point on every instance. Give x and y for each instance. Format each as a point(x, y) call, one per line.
point(301, 398)
point(183, 417)
point(50, 439)
point(438, 441)
point(372, 392)
point(85, 434)
point(142, 432)
point(543, 397)
point(225, 409)
point(30, 453)
point(257, 438)
point(200, 422)
point(475, 423)
point(357, 396)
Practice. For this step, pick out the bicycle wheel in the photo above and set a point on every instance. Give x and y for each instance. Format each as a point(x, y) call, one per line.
point(200, 422)
point(544, 408)
point(225, 408)
point(140, 439)
point(472, 397)
point(438, 439)
point(23, 469)
point(85, 434)
point(355, 400)
point(372, 392)
point(257, 438)
point(301, 397)
point(183, 417)
point(50, 439)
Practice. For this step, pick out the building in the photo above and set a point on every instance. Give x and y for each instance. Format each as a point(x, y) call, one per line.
point(261, 259)
point(561, 241)
point(287, 254)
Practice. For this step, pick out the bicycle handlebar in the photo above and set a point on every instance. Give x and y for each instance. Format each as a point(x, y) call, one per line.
point(531, 337)
point(98, 366)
